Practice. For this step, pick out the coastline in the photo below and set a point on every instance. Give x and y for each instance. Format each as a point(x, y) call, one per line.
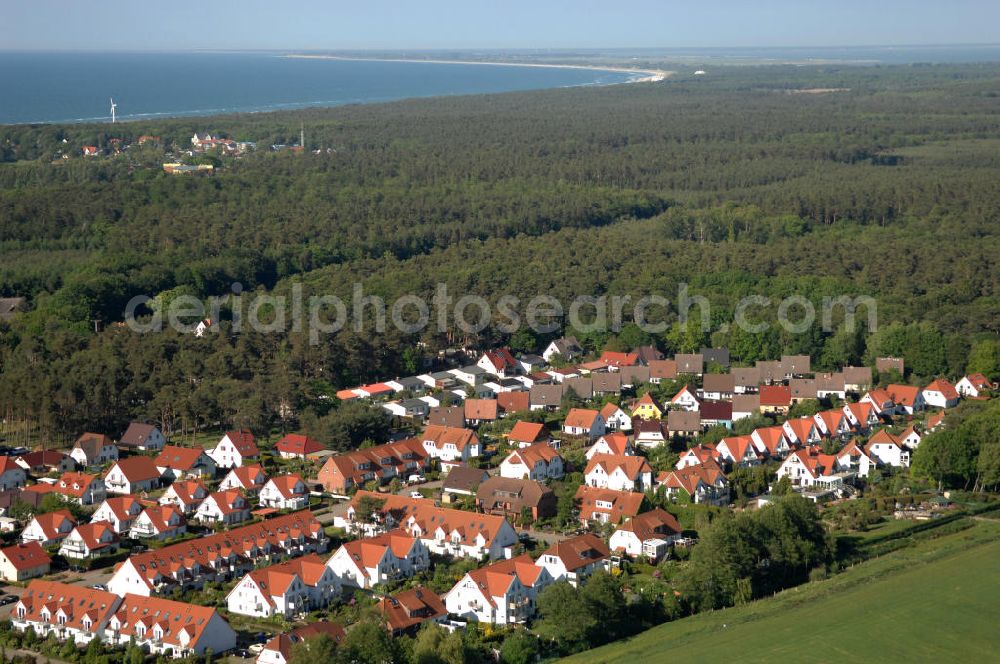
point(651, 75)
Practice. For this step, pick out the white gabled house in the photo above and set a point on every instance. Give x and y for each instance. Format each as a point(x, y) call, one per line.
point(537, 462)
point(48, 528)
point(646, 534)
point(365, 563)
point(135, 474)
point(159, 522)
point(618, 473)
point(235, 449)
point(285, 492)
point(88, 540)
point(250, 478)
point(887, 450)
point(584, 422)
point(119, 511)
point(616, 419)
point(974, 385)
point(503, 593)
point(576, 558)
point(611, 443)
point(186, 495)
point(941, 394)
point(223, 507)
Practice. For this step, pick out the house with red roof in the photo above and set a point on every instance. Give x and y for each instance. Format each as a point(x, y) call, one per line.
point(159, 522)
point(42, 462)
point(135, 474)
point(647, 534)
point(611, 443)
point(79, 488)
point(940, 394)
point(186, 495)
point(175, 462)
point(503, 593)
point(382, 463)
point(704, 483)
point(218, 556)
point(738, 451)
point(297, 446)
point(808, 468)
point(119, 511)
point(880, 400)
point(852, 457)
point(975, 385)
point(861, 416)
point(686, 399)
point(21, 562)
point(618, 473)
point(615, 418)
point(832, 423)
point(407, 610)
point(525, 434)
point(661, 370)
point(161, 625)
point(235, 449)
point(285, 492)
point(771, 441)
point(615, 360)
point(88, 540)
point(450, 444)
point(49, 528)
point(908, 398)
point(887, 449)
point(576, 558)
point(478, 411)
point(801, 431)
point(775, 399)
point(63, 610)
point(368, 562)
point(538, 462)
point(697, 455)
point(279, 649)
point(584, 422)
point(12, 475)
point(499, 362)
point(94, 449)
point(285, 589)
point(606, 505)
point(223, 507)
point(250, 478)
point(647, 407)
point(514, 402)
point(444, 531)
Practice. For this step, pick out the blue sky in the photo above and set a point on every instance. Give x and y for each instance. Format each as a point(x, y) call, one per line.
point(470, 24)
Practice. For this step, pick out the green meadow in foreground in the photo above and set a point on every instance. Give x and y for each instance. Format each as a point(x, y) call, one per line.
point(935, 602)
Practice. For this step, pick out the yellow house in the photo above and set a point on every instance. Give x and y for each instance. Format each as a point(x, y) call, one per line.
point(647, 408)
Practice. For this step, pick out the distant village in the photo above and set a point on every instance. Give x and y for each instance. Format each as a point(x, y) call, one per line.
point(291, 528)
point(201, 145)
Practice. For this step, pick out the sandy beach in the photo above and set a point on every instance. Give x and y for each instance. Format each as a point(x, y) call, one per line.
point(650, 75)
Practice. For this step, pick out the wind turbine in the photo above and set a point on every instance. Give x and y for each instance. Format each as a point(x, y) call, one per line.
point(113, 107)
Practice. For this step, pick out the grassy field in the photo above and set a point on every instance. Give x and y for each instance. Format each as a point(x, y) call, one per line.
point(937, 601)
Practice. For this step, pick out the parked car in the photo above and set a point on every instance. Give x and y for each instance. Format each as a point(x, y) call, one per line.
point(8, 599)
point(416, 494)
point(416, 479)
point(100, 586)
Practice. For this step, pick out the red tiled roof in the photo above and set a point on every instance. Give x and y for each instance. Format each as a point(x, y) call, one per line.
point(26, 556)
point(296, 443)
point(527, 432)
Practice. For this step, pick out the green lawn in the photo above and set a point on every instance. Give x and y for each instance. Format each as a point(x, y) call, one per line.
point(938, 601)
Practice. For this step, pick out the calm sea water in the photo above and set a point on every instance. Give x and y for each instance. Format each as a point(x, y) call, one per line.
point(76, 87)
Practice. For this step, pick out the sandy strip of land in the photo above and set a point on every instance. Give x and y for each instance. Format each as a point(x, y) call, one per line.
point(651, 75)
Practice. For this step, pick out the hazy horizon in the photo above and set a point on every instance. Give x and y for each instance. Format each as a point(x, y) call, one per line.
point(380, 25)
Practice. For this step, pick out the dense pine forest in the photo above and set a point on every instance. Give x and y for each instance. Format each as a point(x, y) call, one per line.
point(817, 181)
